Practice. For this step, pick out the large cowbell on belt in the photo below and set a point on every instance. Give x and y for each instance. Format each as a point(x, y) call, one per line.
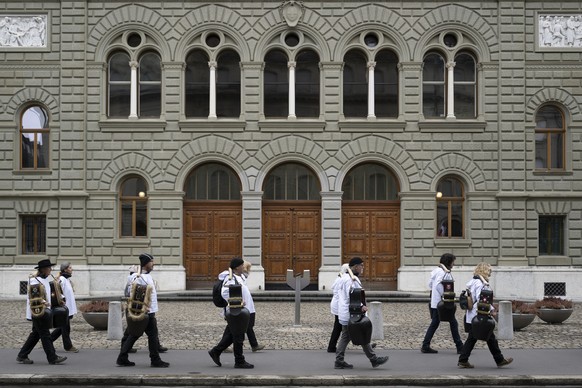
point(59, 308)
point(237, 316)
point(137, 309)
point(359, 325)
point(482, 324)
point(446, 308)
point(42, 316)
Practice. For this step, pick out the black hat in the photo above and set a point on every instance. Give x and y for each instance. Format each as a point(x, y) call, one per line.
point(145, 258)
point(236, 262)
point(356, 261)
point(44, 263)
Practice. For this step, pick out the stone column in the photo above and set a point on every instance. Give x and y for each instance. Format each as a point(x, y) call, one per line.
point(133, 90)
point(331, 237)
point(451, 90)
point(292, 65)
point(371, 100)
point(212, 102)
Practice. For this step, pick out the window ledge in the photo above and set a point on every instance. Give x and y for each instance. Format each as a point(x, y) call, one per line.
point(132, 242)
point(296, 125)
point(137, 125)
point(207, 125)
point(32, 172)
point(553, 260)
point(452, 243)
point(552, 173)
point(453, 125)
point(378, 125)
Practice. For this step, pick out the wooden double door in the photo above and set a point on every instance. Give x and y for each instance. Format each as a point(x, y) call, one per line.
point(212, 237)
point(372, 232)
point(291, 239)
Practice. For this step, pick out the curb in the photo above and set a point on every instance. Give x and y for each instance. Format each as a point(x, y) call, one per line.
point(273, 380)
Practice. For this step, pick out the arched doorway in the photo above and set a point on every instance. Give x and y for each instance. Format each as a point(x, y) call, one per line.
point(212, 223)
point(291, 224)
point(371, 224)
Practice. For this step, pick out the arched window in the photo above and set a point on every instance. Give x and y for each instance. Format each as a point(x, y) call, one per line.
point(34, 138)
point(213, 181)
point(290, 182)
point(197, 84)
point(465, 86)
point(433, 86)
point(228, 95)
point(386, 84)
point(276, 84)
point(370, 182)
point(150, 85)
point(134, 207)
point(119, 85)
point(146, 83)
point(307, 84)
point(355, 102)
point(550, 138)
point(450, 208)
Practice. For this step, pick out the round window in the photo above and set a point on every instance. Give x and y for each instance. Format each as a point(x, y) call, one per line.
point(371, 40)
point(291, 39)
point(450, 40)
point(212, 40)
point(134, 40)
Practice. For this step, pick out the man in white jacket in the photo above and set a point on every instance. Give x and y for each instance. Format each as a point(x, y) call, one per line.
point(69, 295)
point(350, 281)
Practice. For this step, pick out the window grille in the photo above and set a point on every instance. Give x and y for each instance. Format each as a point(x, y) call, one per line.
point(555, 289)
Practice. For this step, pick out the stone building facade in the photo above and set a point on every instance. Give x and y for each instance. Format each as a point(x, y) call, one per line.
point(294, 134)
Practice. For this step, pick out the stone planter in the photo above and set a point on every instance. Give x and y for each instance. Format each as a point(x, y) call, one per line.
point(97, 319)
point(554, 315)
point(522, 320)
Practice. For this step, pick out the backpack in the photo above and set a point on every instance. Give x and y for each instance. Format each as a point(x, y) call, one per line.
point(217, 298)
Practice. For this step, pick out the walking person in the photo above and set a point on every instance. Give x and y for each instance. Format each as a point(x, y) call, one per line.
point(69, 295)
point(445, 266)
point(480, 280)
point(145, 279)
point(38, 304)
point(348, 283)
point(337, 327)
point(250, 305)
point(228, 338)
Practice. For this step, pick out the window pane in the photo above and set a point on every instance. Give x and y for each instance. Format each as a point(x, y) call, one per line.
point(150, 97)
point(42, 150)
point(291, 181)
point(464, 101)
point(433, 69)
point(141, 221)
point(433, 100)
point(34, 118)
point(551, 235)
point(549, 116)
point(450, 187)
point(386, 84)
point(197, 77)
point(557, 151)
point(464, 70)
point(456, 219)
point(228, 95)
point(149, 68)
point(27, 150)
point(307, 84)
point(119, 100)
point(370, 182)
point(276, 85)
point(213, 181)
point(33, 235)
point(541, 150)
point(355, 85)
point(443, 219)
point(126, 219)
point(119, 69)
point(132, 187)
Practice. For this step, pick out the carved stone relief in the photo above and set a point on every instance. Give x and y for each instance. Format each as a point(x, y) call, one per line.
point(23, 31)
point(291, 11)
point(560, 31)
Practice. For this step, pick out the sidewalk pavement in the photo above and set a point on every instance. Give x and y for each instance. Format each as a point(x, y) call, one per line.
point(544, 354)
point(538, 367)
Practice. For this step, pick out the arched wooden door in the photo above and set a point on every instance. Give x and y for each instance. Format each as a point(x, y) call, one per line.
point(291, 224)
point(212, 223)
point(371, 224)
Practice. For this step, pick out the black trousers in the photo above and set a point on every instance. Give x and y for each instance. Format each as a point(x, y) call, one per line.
point(251, 332)
point(335, 334)
point(469, 344)
point(38, 333)
point(64, 331)
point(237, 345)
point(153, 341)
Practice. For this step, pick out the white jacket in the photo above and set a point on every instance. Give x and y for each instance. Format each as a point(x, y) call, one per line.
point(69, 295)
point(474, 286)
point(345, 286)
point(246, 294)
point(146, 279)
point(436, 277)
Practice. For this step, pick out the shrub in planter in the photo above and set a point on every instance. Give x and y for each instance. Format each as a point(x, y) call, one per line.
point(95, 306)
point(523, 313)
point(96, 313)
point(553, 309)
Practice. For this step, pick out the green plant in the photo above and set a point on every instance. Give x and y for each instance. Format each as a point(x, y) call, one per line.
point(95, 306)
point(552, 302)
point(521, 307)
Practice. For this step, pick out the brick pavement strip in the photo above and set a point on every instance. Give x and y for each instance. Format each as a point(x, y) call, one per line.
point(198, 325)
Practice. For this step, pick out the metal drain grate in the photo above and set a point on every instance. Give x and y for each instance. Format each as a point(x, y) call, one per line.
point(23, 287)
point(555, 289)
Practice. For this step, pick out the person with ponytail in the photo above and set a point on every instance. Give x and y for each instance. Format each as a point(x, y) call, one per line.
point(436, 277)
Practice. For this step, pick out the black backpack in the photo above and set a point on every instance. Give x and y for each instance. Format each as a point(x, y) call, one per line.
point(217, 298)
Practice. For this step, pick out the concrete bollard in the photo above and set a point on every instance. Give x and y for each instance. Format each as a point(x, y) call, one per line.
point(375, 315)
point(114, 326)
point(504, 321)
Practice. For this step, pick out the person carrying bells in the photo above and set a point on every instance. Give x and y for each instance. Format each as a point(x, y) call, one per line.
point(145, 279)
point(38, 304)
point(228, 338)
point(69, 294)
point(346, 285)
